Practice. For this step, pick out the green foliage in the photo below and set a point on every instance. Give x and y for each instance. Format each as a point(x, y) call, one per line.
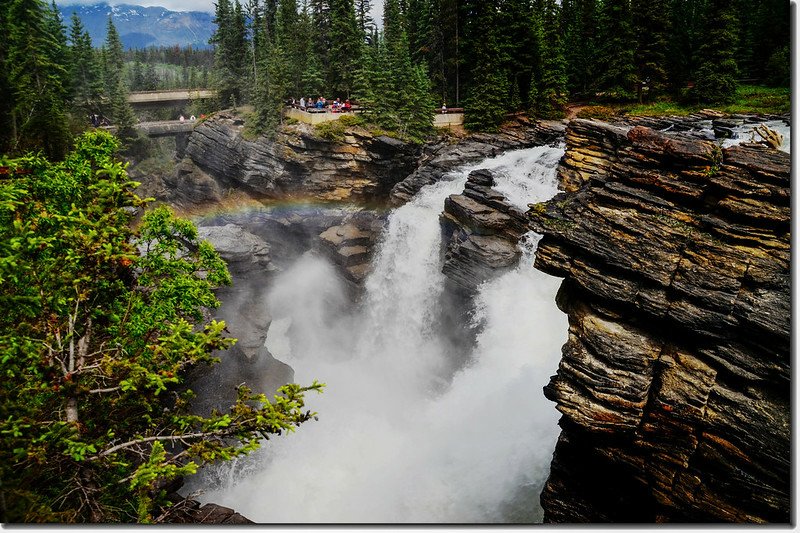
point(331, 131)
point(716, 77)
point(596, 111)
point(549, 88)
point(617, 74)
point(651, 34)
point(101, 323)
point(779, 68)
point(37, 72)
point(394, 92)
point(486, 104)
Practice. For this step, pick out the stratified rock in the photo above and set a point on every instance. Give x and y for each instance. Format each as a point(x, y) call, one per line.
point(296, 163)
point(350, 245)
point(674, 381)
point(481, 230)
point(439, 159)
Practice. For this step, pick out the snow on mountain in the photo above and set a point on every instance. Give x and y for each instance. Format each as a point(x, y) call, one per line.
point(140, 26)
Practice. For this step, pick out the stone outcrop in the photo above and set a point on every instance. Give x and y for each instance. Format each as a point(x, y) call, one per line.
point(481, 231)
point(240, 249)
point(674, 382)
point(440, 158)
point(350, 244)
point(296, 163)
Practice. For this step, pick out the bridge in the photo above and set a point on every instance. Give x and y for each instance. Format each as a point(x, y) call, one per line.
point(169, 97)
point(165, 128)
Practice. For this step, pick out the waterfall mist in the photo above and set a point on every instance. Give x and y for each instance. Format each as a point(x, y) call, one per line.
point(404, 433)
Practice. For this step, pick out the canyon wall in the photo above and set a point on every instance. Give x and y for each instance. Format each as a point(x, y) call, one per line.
point(674, 384)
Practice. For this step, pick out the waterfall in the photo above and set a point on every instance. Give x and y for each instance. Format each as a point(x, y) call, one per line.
point(401, 438)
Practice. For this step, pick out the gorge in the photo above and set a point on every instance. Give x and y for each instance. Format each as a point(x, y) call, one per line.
point(436, 336)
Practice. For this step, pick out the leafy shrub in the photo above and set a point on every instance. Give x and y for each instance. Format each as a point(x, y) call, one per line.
point(596, 111)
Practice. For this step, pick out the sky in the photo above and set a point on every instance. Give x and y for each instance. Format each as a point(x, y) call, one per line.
point(183, 5)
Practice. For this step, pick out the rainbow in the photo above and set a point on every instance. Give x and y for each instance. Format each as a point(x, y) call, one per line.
point(240, 205)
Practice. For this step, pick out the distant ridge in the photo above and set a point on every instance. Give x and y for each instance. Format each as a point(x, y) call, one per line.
point(140, 27)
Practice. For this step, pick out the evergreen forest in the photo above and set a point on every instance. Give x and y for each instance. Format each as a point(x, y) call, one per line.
point(490, 57)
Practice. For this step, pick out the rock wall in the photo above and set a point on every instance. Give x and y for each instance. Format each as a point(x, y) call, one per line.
point(674, 383)
point(296, 163)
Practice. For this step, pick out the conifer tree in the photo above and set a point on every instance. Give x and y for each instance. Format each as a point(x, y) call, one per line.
point(230, 62)
point(363, 10)
point(120, 110)
point(716, 76)
point(36, 77)
point(7, 103)
point(580, 22)
point(321, 21)
point(617, 74)
point(87, 86)
point(345, 47)
point(550, 95)
point(487, 97)
point(686, 34)
point(651, 33)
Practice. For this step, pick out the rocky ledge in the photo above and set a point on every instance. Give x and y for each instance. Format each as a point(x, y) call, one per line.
point(296, 163)
point(481, 231)
point(674, 382)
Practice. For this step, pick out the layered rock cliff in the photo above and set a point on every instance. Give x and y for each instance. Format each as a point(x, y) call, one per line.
point(296, 163)
point(674, 383)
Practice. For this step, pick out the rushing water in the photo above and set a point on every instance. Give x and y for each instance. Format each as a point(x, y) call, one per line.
point(401, 436)
point(745, 133)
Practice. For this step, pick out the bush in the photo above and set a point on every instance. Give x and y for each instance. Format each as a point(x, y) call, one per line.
point(331, 131)
point(596, 111)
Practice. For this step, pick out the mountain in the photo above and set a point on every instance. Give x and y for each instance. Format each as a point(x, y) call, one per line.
point(140, 27)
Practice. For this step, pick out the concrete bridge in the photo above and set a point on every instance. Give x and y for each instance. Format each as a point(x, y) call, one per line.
point(165, 128)
point(156, 98)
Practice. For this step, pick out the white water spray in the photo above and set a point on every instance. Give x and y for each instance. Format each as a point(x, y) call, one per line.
point(745, 133)
point(398, 440)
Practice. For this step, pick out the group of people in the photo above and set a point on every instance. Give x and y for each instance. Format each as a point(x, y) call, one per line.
point(337, 106)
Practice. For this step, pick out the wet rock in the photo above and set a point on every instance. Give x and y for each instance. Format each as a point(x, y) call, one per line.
point(674, 381)
point(439, 159)
point(212, 513)
point(350, 245)
point(481, 231)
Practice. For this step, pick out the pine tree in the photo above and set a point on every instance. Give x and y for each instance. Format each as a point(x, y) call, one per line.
point(345, 47)
point(716, 76)
point(580, 22)
point(36, 77)
point(116, 91)
point(617, 74)
point(686, 34)
point(230, 58)
point(487, 96)
point(321, 21)
point(87, 86)
point(551, 89)
point(651, 33)
point(363, 10)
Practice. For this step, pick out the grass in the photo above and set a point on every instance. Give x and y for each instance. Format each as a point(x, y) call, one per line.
point(748, 99)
